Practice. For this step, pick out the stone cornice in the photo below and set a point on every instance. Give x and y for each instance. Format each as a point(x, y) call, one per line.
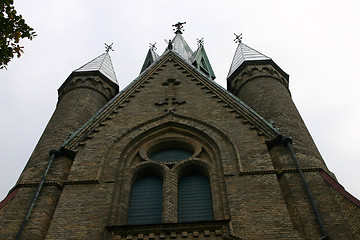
point(91, 82)
point(253, 72)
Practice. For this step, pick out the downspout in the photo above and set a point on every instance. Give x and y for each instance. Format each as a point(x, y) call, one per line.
point(287, 141)
point(52, 154)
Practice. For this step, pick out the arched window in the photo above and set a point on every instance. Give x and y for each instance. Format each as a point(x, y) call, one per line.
point(146, 201)
point(171, 155)
point(194, 199)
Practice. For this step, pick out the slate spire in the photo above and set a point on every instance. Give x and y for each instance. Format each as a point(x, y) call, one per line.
point(243, 54)
point(181, 47)
point(100, 64)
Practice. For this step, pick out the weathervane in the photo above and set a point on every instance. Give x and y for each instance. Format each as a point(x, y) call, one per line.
point(238, 38)
point(179, 27)
point(153, 47)
point(200, 42)
point(108, 47)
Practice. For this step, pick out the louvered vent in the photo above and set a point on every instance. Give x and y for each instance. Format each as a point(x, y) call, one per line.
point(194, 199)
point(146, 201)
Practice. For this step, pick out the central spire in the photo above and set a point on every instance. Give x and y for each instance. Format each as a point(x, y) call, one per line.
point(178, 45)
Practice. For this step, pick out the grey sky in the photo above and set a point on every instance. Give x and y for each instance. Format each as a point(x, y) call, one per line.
point(315, 42)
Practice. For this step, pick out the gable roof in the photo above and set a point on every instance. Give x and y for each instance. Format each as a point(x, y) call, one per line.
point(150, 59)
point(230, 102)
point(201, 61)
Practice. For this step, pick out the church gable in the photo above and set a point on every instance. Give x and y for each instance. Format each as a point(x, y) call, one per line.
point(171, 87)
point(172, 91)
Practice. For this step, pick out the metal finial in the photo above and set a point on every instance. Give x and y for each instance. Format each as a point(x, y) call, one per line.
point(179, 27)
point(153, 47)
point(238, 38)
point(108, 47)
point(200, 42)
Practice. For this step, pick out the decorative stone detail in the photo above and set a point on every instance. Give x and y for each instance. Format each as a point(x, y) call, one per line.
point(95, 83)
point(252, 72)
point(215, 230)
point(172, 101)
point(170, 93)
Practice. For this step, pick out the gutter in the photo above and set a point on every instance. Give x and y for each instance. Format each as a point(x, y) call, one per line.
point(53, 153)
point(287, 141)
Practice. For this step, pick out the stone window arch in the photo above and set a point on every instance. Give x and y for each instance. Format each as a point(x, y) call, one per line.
point(136, 160)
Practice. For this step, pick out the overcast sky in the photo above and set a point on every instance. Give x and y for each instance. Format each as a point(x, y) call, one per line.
point(315, 42)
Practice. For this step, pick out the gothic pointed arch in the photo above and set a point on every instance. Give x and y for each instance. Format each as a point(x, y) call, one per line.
point(184, 144)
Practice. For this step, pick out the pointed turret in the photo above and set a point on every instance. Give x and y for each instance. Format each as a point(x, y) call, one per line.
point(84, 92)
point(201, 61)
point(181, 47)
point(100, 66)
point(258, 81)
point(243, 54)
point(150, 57)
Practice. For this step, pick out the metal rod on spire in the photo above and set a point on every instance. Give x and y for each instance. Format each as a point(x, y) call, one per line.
point(108, 47)
point(238, 38)
point(200, 42)
point(179, 27)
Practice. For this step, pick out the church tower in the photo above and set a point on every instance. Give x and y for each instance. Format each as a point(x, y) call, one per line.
point(176, 156)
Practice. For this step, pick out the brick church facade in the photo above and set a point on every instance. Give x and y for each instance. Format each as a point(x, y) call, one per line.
point(176, 156)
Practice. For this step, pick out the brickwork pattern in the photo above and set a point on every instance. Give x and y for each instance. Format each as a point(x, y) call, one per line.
point(266, 90)
point(75, 106)
point(256, 192)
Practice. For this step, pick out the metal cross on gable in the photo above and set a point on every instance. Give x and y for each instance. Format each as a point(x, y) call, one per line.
point(108, 47)
point(179, 27)
point(200, 42)
point(153, 47)
point(238, 38)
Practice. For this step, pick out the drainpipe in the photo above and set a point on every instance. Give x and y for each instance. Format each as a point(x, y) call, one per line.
point(53, 153)
point(287, 141)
